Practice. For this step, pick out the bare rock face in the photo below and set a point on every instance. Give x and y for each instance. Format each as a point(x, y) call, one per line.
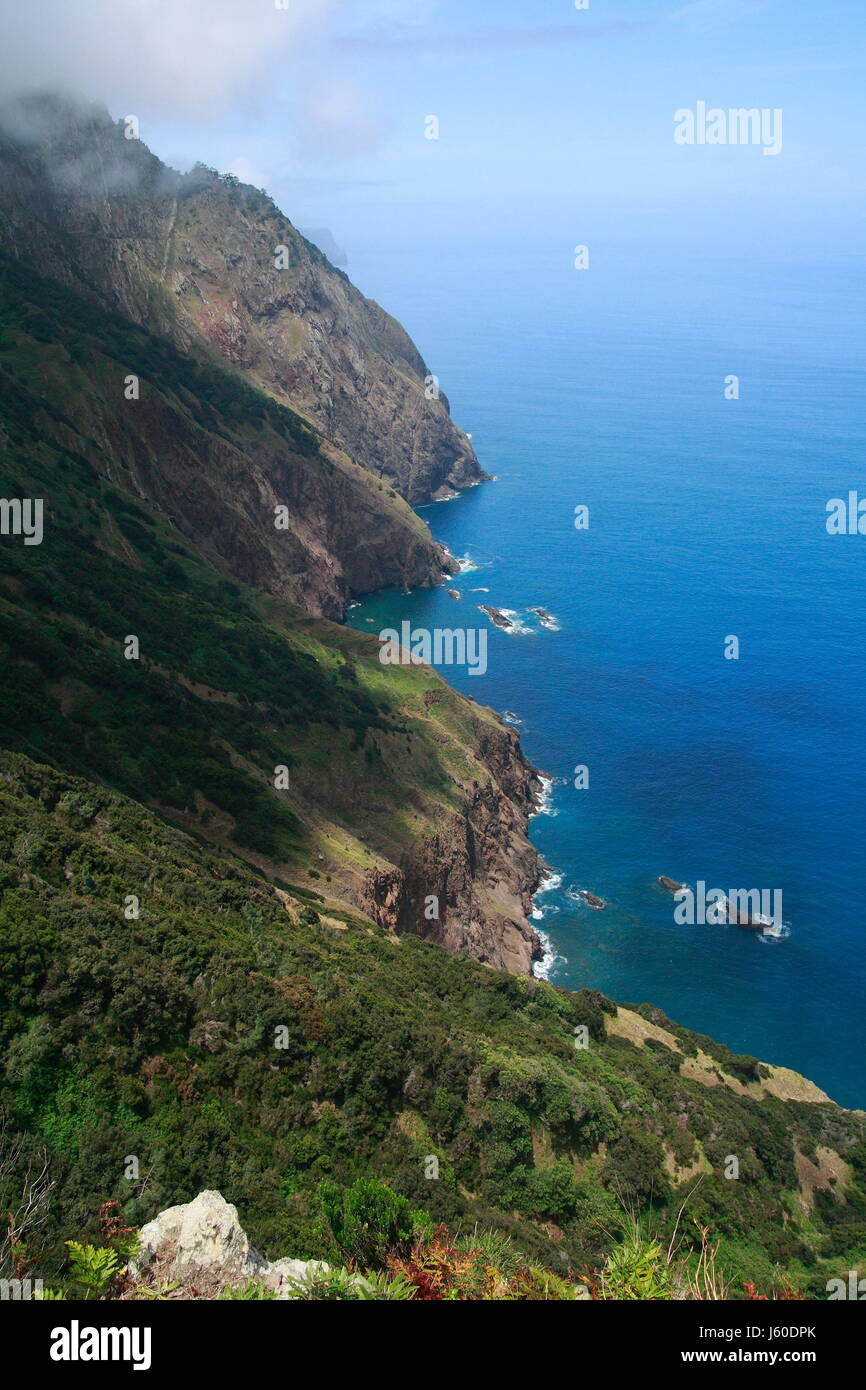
point(201, 1238)
point(314, 340)
point(194, 259)
point(215, 264)
point(202, 1246)
point(468, 887)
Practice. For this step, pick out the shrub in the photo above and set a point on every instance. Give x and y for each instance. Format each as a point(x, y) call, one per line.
point(341, 1285)
point(252, 1291)
point(635, 1168)
point(368, 1221)
point(93, 1269)
point(635, 1269)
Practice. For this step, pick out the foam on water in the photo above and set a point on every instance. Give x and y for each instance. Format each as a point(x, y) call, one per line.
point(742, 772)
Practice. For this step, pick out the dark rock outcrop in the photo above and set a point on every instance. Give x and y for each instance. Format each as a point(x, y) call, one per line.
point(497, 618)
point(593, 900)
point(468, 885)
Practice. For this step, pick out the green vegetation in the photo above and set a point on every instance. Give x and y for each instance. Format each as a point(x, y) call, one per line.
point(367, 1220)
point(156, 1037)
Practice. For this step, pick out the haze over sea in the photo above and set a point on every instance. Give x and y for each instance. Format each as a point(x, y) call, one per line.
point(707, 518)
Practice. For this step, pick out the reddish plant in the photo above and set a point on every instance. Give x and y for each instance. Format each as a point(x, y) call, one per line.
point(435, 1266)
point(111, 1227)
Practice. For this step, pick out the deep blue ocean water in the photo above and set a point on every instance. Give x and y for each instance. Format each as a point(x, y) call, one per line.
point(707, 518)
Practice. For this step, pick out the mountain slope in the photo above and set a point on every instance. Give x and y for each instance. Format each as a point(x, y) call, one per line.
point(213, 454)
point(221, 815)
point(230, 1036)
point(399, 789)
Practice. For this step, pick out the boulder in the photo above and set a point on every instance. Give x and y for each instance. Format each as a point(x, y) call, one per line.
point(202, 1239)
point(202, 1246)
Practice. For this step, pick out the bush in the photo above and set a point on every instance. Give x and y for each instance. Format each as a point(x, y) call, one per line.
point(368, 1221)
point(635, 1168)
point(340, 1285)
point(636, 1269)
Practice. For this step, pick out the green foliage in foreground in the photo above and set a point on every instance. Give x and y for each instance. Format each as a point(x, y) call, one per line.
point(155, 1038)
point(367, 1220)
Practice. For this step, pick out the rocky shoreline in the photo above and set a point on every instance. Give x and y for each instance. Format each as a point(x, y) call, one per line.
point(480, 866)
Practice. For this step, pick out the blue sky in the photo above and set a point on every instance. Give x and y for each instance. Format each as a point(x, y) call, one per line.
point(554, 122)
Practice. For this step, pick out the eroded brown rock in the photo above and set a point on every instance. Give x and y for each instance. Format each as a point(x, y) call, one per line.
point(477, 872)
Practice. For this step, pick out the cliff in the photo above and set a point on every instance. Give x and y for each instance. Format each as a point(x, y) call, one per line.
point(276, 422)
point(213, 263)
point(399, 791)
point(190, 263)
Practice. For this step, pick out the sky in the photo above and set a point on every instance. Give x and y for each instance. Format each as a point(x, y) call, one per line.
point(554, 123)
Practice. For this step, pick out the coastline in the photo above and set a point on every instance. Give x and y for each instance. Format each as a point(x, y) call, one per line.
point(549, 882)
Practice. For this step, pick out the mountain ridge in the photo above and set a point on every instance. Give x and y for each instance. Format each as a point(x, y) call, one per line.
point(404, 790)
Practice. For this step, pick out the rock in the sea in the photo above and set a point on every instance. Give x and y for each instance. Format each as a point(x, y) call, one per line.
point(202, 1246)
point(592, 900)
point(495, 616)
point(453, 593)
point(546, 619)
point(670, 883)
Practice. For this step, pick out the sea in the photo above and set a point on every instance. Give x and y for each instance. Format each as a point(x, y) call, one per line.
point(704, 410)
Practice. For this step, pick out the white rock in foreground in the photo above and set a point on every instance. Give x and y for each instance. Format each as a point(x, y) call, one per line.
point(202, 1242)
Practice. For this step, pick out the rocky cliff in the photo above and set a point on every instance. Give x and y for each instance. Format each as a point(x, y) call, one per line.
point(194, 261)
point(468, 884)
point(261, 495)
point(401, 791)
point(212, 262)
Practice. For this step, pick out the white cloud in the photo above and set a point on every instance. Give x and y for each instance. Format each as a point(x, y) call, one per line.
point(188, 59)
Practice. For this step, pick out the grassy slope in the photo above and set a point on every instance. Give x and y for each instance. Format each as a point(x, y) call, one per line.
point(155, 1037)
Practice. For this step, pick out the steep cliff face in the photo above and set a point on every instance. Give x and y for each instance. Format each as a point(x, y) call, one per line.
point(400, 790)
point(260, 495)
point(214, 263)
point(467, 885)
point(192, 261)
